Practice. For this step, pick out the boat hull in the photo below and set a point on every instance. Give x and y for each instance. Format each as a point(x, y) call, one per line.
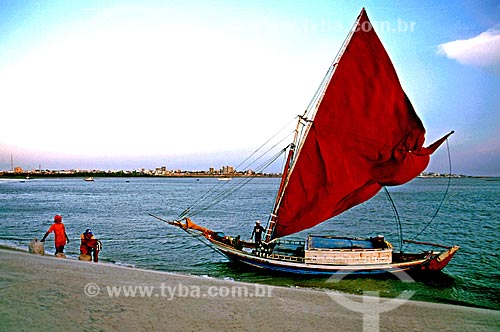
point(281, 261)
point(421, 262)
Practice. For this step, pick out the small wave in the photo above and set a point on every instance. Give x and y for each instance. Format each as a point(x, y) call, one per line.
point(124, 264)
point(13, 180)
point(16, 245)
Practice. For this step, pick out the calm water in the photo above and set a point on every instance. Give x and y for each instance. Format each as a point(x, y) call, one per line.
point(117, 211)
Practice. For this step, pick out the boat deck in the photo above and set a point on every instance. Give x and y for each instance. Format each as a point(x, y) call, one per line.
point(300, 251)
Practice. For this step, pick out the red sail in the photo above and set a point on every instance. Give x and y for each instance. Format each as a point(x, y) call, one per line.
point(365, 135)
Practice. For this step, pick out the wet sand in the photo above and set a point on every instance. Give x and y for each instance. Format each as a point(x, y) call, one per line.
point(52, 294)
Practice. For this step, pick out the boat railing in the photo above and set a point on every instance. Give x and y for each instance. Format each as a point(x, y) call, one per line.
point(286, 258)
point(293, 242)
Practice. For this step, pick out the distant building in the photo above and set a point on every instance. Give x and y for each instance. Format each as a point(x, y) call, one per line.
point(161, 170)
point(18, 169)
point(227, 170)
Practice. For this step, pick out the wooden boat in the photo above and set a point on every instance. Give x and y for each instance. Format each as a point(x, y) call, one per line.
point(359, 134)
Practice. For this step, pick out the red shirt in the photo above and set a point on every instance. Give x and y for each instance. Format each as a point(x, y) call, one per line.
point(59, 233)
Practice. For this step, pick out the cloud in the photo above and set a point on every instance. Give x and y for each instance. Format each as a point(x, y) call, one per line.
point(480, 51)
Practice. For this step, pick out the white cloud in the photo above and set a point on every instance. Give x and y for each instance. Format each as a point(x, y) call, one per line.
point(480, 51)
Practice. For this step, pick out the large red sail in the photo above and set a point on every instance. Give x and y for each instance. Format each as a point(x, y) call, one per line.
point(365, 135)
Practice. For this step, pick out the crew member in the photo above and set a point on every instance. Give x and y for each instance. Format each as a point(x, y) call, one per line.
point(258, 230)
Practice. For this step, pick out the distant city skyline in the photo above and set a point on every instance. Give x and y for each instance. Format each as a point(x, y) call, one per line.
point(224, 169)
point(164, 171)
point(131, 164)
point(190, 85)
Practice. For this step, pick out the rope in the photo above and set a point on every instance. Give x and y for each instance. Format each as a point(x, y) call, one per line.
point(238, 185)
point(265, 143)
point(193, 234)
point(215, 190)
point(396, 214)
point(217, 193)
point(444, 195)
point(208, 244)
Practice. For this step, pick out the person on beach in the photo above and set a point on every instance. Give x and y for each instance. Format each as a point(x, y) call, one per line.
point(89, 246)
point(257, 231)
point(60, 236)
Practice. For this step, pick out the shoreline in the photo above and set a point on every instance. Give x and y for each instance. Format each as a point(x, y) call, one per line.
point(44, 291)
point(191, 174)
point(4, 246)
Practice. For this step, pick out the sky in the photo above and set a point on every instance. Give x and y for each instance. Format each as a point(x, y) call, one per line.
point(194, 84)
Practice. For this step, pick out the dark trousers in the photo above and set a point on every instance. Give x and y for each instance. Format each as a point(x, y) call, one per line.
point(92, 252)
point(96, 255)
point(59, 250)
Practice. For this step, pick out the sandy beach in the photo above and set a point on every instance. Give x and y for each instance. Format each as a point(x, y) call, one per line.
point(48, 293)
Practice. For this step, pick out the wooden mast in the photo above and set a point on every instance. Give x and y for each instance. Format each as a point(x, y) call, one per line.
point(303, 120)
point(284, 178)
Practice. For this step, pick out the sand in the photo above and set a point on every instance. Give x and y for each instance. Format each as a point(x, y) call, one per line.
point(52, 294)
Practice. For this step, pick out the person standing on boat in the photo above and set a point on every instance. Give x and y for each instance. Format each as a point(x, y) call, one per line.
point(257, 231)
point(60, 236)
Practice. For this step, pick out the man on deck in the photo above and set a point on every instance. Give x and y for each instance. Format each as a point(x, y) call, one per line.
point(257, 231)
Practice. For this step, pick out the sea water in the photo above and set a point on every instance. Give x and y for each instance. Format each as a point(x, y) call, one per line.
point(117, 210)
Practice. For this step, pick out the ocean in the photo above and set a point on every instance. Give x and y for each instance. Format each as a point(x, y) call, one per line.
point(117, 210)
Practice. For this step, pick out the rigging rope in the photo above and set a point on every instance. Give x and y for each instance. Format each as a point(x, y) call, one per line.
point(195, 235)
point(266, 142)
point(218, 197)
point(396, 214)
point(435, 214)
point(208, 244)
point(215, 194)
point(444, 195)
